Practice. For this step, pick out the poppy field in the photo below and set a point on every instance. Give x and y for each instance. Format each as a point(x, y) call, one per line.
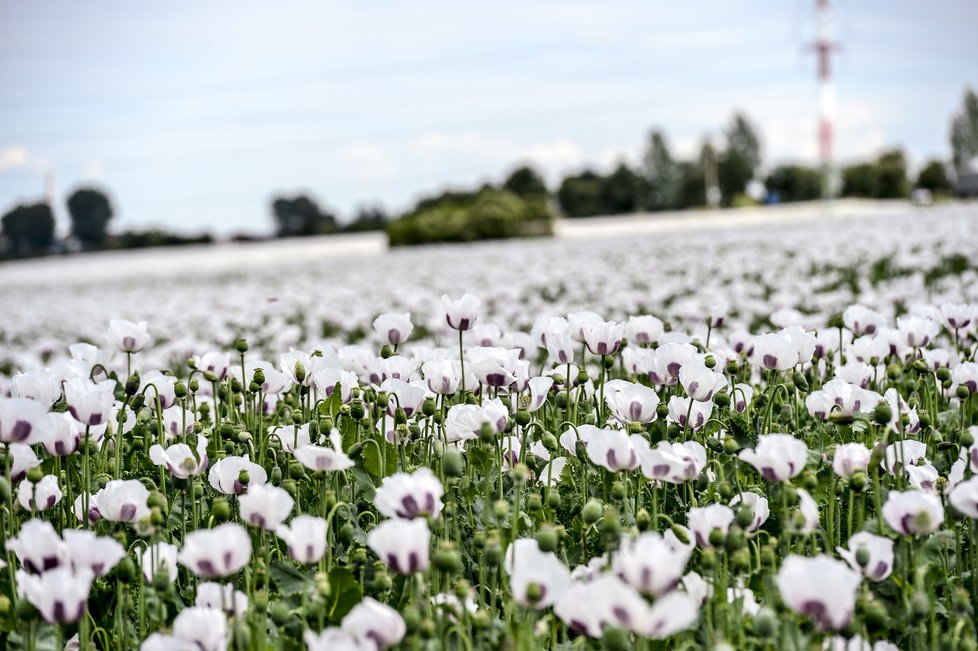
point(756, 437)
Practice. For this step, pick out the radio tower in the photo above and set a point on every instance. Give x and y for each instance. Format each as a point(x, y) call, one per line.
point(824, 48)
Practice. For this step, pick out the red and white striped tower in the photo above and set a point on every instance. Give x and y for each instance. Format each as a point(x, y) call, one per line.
point(824, 48)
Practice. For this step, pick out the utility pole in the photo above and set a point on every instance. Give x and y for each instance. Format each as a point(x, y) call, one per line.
point(824, 48)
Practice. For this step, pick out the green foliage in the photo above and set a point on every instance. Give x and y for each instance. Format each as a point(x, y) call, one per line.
point(28, 229)
point(368, 218)
point(794, 183)
point(301, 215)
point(663, 177)
point(589, 194)
point(156, 237)
point(466, 217)
point(933, 177)
point(884, 179)
point(964, 131)
point(90, 211)
point(738, 163)
point(526, 183)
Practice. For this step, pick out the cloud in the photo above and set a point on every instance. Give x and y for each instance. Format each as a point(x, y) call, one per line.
point(93, 169)
point(369, 162)
point(16, 157)
point(13, 157)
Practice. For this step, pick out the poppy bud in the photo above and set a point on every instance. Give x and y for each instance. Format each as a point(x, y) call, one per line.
point(534, 502)
point(412, 619)
point(610, 524)
point(883, 413)
point(722, 399)
point(4, 604)
point(553, 499)
point(643, 520)
point(299, 371)
point(35, 475)
point(132, 384)
point(561, 401)
point(725, 490)
point(453, 463)
point(500, 509)
point(710, 361)
point(547, 538)
point(857, 482)
point(730, 445)
point(966, 438)
point(962, 392)
point(765, 623)
point(591, 511)
point(662, 410)
point(680, 533)
point(446, 557)
point(744, 517)
point(717, 537)
point(279, 613)
point(194, 385)
point(800, 380)
point(220, 509)
point(708, 559)
point(740, 560)
point(618, 491)
point(732, 367)
point(919, 604)
point(582, 377)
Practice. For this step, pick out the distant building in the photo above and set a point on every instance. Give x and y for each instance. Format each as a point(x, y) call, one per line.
point(966, 184)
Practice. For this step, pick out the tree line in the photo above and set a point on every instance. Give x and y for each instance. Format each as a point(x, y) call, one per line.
point(727, 173)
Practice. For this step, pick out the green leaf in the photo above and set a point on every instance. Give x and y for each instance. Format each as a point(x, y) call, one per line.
point(371, 459)
point(289, 580)
point(344, 593)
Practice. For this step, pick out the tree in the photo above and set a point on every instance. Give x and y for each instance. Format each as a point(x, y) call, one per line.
point(860, 180)
point(794, 183)
point(301, 215)
point(964, 131)
point(90, 211)
point(28, 229)
point(368, 218)
point(525, 182)
point(933, 177)
point(891, 174)
point(620, 191)
point(580, 195)
point(739, 162)
point(661, 172)
point(692, 185)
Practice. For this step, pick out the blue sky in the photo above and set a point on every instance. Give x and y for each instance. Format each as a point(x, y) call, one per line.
point(193, 114)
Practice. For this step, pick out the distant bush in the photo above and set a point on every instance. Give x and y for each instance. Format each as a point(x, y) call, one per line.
point(794, 183)
point(155, 237)
point(487, 214)
point(884, 179)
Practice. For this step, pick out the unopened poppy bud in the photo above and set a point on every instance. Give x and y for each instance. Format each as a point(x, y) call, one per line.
point(522, 417)
point(299, 371)
point(717, 537)
point(608, 361)
point(453, 463)
point(126, 570)
point(486, 433)
point(740, 560)
point(800, 381)
point(725, 490)
point(643, 520)
point(582, 378)
point(156, 500)
point(730, 445)
point(446, 557)
point(591, 511)
point(220, 509)
point(412, 619)
point(765, 623)
point(132, 384)
point(4, 604)
point(549, 441)
point(745, 516)
point(547, 538)
point(883, 413)
point(610, 523)
point(357, 410)
point(708, 559)
point(966, 438)
point(618, 491)
point(156, 516)
point(962, 392)
point(500, 508)
point(4, 489)
point(553, 499)
point(863, 556)
point(275, 476)
point(279, 613)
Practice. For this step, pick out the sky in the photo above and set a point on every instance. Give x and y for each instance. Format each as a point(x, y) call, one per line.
point(193, 115)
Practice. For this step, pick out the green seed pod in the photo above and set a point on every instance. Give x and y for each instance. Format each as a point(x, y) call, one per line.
point(745, 516)
point(618, 491)
point(553, 499)
point(725, 490)
point(740, 560)
point(765, 623)
point(35, 474)
point(547, 538)
point(126, 571)
point(412, 619)
point(962, 392)
point(591, 511)
point(857, 482)
point(500, 508)
point(220, 509)
point(161, 580)
point(446, 557)
point(534, 502)
point(708, 559)
point(717, 537)
point(722, 400)
point(453, 463)
point(883, 413)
